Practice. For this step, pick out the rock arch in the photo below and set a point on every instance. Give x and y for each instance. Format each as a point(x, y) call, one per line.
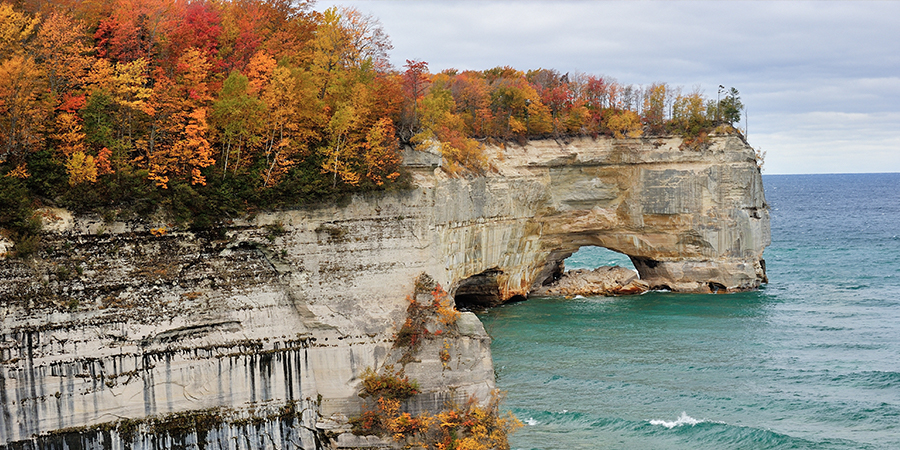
point(690, 220)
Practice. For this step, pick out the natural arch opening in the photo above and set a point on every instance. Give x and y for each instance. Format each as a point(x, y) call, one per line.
point(592, 257)
point(592, 271)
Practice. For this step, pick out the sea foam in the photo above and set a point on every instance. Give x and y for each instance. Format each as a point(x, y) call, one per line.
point(683, 419)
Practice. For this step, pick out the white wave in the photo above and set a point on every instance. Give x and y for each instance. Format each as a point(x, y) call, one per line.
point(683, 419)
point(530, 422)
point(579, 296)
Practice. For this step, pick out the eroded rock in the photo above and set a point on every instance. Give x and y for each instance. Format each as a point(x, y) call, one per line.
point(602, 281)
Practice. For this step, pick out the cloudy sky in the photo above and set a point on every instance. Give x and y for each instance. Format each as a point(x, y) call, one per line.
point(821, 80)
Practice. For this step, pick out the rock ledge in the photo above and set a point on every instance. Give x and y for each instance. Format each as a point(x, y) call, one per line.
point(607, 280)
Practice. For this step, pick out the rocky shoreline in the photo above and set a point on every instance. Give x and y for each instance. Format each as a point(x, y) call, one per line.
point(602, 281)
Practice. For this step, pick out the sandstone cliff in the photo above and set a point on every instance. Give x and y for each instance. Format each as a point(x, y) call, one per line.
point(256, 335)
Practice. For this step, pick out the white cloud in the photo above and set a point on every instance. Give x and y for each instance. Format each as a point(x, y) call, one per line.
point(828, 142)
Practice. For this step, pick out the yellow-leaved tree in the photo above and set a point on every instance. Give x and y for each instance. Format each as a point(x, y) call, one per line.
point(81, 168)
point(441, 126)
point(23, 107)
point(342, 148)
point(625, 123)
point(16, 29)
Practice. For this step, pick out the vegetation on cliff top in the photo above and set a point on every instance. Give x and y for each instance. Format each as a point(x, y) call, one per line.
point(211, 109)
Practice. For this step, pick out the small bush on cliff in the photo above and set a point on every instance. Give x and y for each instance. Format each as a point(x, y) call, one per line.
point(473, 427)
point(386, 390)
point(439, 314)
point(391, 385)
point(467, 427)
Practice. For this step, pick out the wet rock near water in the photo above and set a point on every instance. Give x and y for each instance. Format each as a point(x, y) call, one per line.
point(610, 280)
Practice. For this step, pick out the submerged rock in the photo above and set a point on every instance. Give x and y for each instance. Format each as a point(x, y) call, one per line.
point(608, 280)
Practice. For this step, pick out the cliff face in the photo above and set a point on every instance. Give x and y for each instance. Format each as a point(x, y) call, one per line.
point(117, 334)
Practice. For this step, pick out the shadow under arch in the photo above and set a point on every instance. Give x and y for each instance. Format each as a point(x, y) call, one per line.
point(483, 290)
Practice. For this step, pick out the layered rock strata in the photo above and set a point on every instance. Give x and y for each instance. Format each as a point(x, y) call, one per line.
point(134, 335)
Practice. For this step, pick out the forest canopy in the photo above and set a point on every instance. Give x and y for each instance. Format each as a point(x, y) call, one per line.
point(210, 109)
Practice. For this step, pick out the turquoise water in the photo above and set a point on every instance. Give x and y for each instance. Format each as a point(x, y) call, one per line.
point(810, 361)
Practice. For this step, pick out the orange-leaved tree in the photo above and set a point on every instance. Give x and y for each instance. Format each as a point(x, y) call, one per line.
point(62, 53)
point(381, 157)
point(179, 147)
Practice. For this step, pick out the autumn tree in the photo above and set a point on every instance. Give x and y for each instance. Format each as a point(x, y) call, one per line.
point(689, 115)
point(625, 123)
point(282, 28)
point(594, 93)
point(198, 26)
point(123, 87)
point(16, 30)
point(123, 40)
point(292, 120)
point(346, 40)
point(70, 137)
point(471, 94)
point(382, 161)
point(236, 115)
point(23, 107)
point(517, 107)
point(367, 43)
point(348, 66)
point(244, 28)
point(178, 146)
point(62, 53)
point(415, 83)
point(555, 93)
point(500, 72)
point(342, 148)
point(81, 168)
point(136, 29)
point(441, 127)
point(654, 110)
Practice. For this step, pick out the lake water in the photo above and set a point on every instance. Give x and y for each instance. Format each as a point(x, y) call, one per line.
point(812, 360)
